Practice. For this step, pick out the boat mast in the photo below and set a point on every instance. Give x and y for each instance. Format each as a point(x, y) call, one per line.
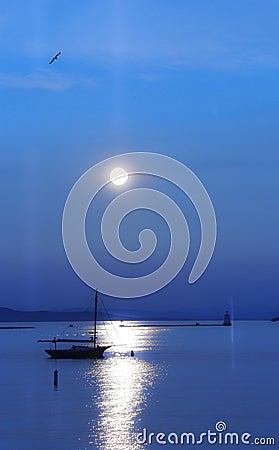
point(95, 320)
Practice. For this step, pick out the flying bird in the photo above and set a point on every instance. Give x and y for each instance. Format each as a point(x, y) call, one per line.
point(55, 58)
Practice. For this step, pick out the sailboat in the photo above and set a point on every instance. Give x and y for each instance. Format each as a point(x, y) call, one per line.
point(81, 348)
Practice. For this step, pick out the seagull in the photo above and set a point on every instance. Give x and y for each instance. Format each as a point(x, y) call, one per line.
point(55, 58)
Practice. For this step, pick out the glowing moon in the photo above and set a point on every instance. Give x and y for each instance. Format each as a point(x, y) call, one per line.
point(118, 176)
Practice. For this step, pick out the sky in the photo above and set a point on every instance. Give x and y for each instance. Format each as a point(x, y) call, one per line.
point(193, 80)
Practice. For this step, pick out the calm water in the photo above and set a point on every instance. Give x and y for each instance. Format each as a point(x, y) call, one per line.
point(180, 380)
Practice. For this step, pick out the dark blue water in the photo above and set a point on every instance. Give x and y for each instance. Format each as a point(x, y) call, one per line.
point(180, 380)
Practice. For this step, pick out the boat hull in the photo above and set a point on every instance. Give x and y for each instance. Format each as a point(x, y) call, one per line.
point(77, 353)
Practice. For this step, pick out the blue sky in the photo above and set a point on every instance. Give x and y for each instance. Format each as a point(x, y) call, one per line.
point(197, 81)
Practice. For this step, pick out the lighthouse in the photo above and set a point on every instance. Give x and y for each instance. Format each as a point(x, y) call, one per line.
point(227, 319)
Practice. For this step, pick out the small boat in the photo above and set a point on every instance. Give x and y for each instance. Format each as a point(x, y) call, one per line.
point(90, 350)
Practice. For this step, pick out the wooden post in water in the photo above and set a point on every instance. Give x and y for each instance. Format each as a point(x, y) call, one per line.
point(55, 378)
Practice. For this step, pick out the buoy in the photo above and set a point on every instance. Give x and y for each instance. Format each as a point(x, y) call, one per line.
point(132, 353)
point(55, 378)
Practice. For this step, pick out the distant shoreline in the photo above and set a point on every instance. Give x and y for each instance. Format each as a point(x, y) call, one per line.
point(14, 328)
point(11, 315)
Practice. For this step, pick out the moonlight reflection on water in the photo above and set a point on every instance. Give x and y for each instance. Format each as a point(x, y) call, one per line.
point(121, 386)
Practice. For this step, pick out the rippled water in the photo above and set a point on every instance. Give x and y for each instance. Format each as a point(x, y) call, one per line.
point(181, 380)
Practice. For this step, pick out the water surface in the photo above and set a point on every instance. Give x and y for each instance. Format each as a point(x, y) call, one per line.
point(182, 379)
